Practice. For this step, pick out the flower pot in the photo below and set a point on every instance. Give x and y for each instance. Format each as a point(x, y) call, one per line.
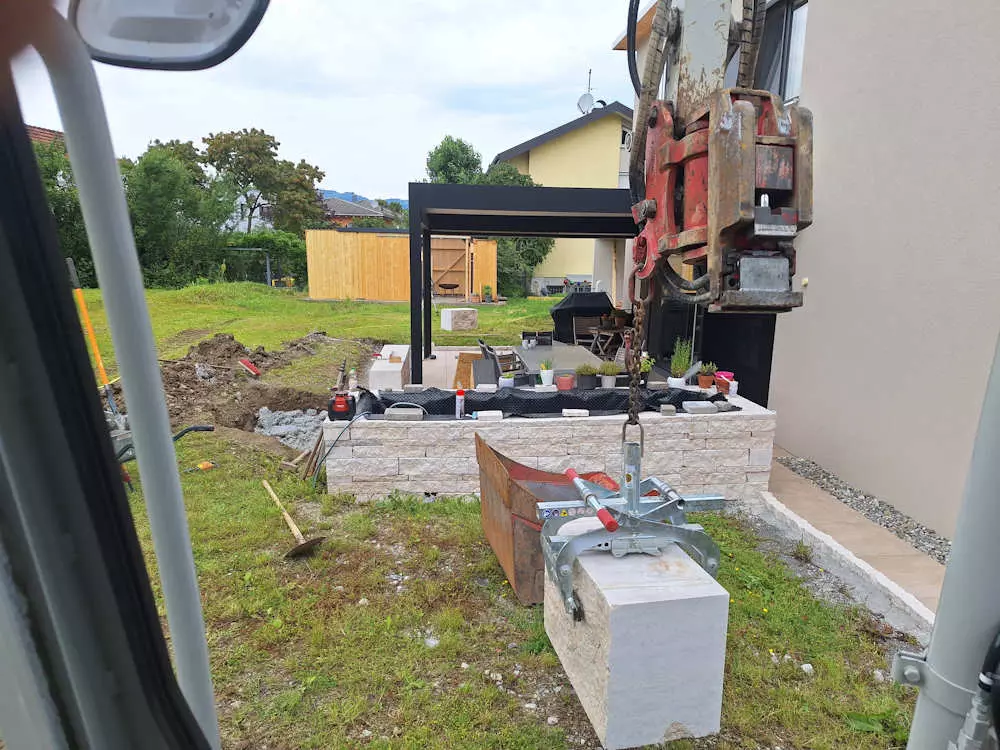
point(564, 382)
point(505, 382)
point(675, 382)
point(722, 381)
point(609, 381)
point(586, 382)
point(706, 381)
point(547, 376)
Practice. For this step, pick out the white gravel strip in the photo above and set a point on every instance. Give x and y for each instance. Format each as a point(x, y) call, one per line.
point(914, 533)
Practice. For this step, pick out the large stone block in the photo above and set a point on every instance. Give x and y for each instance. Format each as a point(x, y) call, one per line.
point(459, 319)
point(647, 661)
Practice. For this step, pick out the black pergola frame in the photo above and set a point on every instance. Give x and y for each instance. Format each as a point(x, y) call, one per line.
point(499, 211)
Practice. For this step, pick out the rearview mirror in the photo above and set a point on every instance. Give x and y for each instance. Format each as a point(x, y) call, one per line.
point(165, 34)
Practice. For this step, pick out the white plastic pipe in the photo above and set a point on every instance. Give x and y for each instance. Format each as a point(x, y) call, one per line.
point(968, 615)
point(105, 214)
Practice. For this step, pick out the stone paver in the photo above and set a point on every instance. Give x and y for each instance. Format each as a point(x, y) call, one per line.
point(879, 547)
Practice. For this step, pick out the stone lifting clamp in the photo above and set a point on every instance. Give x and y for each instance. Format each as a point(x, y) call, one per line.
point(644, 516)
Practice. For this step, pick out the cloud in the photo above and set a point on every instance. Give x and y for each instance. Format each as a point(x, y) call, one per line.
point(364, 91)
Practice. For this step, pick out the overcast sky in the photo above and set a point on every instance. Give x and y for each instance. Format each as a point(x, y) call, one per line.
point(364, 90)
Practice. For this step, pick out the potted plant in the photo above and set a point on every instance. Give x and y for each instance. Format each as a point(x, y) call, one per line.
point(487, 293)
point(620, 317)
point(564, 382)
point(586, 377)
point(680, 361)
point(546, 372)
point(645, 367)
point(609, 374)
point(505, 381)
point(706, 374)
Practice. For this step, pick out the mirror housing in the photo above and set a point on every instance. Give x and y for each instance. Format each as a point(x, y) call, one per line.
point(165, 34)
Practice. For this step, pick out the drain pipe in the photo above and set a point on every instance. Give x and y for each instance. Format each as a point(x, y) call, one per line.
point(105, 214)
point(968, 615)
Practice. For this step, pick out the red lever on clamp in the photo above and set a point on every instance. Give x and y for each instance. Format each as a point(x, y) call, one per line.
point(603, 514)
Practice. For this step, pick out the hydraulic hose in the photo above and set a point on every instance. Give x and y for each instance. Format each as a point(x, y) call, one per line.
point(674, 279)
point(987, 676)
point(630, 46)
point(652, 75)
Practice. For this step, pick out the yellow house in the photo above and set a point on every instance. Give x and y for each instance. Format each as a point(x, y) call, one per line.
point(590, 151)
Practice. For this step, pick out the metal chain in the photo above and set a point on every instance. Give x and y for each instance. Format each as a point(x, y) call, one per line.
point(635, 363)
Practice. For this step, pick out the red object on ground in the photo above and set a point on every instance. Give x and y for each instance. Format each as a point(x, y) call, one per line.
point(250, 367)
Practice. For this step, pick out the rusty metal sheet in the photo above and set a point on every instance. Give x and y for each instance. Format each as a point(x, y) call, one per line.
point(700, 68)
point(509, 493)
point(775, 167)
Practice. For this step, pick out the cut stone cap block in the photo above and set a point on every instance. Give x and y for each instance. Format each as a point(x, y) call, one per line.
point(647, 662)
point(459, 319)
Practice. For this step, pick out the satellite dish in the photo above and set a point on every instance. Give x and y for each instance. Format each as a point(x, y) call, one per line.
point(585, 103)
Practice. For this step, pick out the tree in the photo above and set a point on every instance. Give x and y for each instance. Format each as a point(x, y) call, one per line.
point(394, 211)
point(296, 203)
point(249, 160)
point(64, 202)
point(177, 221)
point(287, 251)
point(454, 161)
point(370, 222)
point(188, 154)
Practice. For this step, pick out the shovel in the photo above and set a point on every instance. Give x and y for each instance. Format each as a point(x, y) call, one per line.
point(303, 546)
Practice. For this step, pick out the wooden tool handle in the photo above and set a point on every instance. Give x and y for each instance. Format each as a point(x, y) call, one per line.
point(288, 519)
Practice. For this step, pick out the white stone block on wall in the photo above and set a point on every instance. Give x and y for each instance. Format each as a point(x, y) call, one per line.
point(647, 661)
point(459, 319)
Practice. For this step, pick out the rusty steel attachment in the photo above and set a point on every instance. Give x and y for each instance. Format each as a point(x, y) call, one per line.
point(643, 516)
point(726, 193)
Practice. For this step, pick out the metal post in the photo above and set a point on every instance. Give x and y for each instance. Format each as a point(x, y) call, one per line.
point(968, 615)
point(428, 292)
point(267, 267)
point(105, 215)
point(416, 295)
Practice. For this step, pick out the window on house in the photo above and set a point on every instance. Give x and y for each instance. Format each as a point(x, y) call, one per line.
point(779, 64)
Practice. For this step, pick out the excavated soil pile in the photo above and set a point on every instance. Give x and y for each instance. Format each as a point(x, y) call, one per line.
point(209, 384)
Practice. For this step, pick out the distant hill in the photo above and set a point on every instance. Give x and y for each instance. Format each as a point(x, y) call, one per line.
point(355, 198)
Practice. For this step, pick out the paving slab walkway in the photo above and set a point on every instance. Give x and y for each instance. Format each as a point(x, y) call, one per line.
point(916, 572)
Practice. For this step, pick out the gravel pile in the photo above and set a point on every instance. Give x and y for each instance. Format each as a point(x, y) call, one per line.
point(900, 524)
point(296, 429)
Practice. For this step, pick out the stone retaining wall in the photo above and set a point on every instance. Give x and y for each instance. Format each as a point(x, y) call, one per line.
point(728, 453)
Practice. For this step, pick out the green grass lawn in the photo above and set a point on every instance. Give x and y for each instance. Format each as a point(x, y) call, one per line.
point(258, 316)
point(327, 652)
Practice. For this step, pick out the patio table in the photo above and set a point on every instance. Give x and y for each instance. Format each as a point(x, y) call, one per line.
point(565, 357)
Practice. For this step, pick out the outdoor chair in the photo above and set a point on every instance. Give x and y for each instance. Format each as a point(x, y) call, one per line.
point(582, 335)
point(503, 364)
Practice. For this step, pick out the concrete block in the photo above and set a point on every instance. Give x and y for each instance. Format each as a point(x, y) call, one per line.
point(434, 467)
point(582, 464)
point(761, 456)
point(363, 467)
point(647, 661)
point(724, 443)
point(711, 459)
point(390, 450)
point(459, 319)
point(489, 416)
point(668, 410)
point(700, 407)
point(384, 375)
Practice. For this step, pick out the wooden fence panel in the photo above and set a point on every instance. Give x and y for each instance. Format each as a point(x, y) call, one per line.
point(374, 266)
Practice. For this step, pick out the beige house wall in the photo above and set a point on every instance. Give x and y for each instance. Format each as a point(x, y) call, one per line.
point(880, 376)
